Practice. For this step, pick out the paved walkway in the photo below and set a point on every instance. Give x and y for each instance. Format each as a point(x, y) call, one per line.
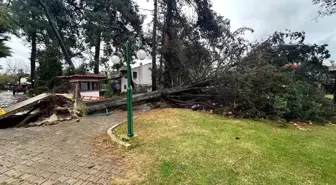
point(7, 98)
point(58, 154)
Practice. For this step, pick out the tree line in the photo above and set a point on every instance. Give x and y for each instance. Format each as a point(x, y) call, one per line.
point(72, 30)
point(186, 49)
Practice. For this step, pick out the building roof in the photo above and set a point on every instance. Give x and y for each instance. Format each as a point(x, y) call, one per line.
point(88, 75)
point(332, 68)
point(141, 62)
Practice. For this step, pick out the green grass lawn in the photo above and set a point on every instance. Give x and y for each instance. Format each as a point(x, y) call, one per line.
point(177, 146)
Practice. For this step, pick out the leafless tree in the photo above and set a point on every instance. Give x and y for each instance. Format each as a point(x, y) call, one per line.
point(18, 68)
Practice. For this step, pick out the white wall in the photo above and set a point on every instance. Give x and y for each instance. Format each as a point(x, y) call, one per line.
point(23, 80)
point(137, 70)
point(123, 84)
point(144, 76)
point(90, 93)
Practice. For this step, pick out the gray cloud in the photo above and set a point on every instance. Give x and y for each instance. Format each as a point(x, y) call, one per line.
point(20, 52)
point(266, 17)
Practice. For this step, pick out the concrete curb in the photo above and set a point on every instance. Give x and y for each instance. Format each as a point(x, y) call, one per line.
point(114, 137)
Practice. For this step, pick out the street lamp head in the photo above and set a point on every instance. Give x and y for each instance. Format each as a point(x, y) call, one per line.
point(141, 54)
point(115, 59)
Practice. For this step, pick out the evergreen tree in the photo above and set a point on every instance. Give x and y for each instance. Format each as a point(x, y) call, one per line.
point(6, 27)
point(50, 67)
point(109, 24)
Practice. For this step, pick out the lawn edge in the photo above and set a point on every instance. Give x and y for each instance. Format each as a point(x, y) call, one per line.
point(115, 139)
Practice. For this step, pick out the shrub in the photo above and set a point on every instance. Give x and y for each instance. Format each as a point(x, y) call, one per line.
point(108, 91)
point(267, 92)
point(81, 107)
point(304, 101)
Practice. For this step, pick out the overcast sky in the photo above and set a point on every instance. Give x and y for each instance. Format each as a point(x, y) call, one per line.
point(264, 16)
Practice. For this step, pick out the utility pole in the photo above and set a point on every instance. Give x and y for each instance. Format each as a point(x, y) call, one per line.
point(154, 48)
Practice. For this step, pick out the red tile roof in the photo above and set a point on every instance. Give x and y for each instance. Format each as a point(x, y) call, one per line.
point(89, 75)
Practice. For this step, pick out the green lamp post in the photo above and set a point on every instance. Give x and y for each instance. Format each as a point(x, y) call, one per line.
point(141, 55)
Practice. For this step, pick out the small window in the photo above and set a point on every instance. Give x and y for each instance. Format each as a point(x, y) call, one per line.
point(89, 86)
point(94, 86)
point(124, 86)
point(84, 86)
point(135, 75)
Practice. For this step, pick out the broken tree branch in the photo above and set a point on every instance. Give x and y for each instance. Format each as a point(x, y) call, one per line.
point(240, 158)
point(58, 36)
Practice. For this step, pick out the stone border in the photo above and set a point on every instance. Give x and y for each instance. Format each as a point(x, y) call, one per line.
point(114, 137)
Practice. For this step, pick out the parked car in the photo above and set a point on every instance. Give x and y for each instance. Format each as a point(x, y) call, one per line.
point(18, 89)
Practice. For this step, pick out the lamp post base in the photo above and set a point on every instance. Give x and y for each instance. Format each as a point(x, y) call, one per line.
point(129, 113)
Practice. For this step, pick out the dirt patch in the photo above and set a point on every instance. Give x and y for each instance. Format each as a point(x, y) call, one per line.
point(128, 160)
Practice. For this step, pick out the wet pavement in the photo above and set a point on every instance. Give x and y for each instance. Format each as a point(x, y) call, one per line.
point(58, 154)
point(7, 98)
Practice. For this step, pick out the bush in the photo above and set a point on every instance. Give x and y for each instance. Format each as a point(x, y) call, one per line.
point(108, 91)
point(81, 107)
point(40, 89)
point(304, 101)
point(267, 92)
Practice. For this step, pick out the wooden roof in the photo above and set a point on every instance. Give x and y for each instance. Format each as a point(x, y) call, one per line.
point(84, 76)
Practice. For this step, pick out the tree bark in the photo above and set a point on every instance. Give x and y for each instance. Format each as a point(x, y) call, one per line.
point(97, 53)
point(166, 43)
point(58, 36)
point(160, 68)
point(33, 58)
point(33, 36)
point(154, 48)
point(334, 98)
point(112, 103)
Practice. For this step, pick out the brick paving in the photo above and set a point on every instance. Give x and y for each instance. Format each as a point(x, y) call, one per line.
point(58, 154)
point(7, 98)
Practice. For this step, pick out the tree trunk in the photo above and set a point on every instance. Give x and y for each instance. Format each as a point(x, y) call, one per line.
point(334, 98)
point(112, 103)
point(160, 68)
point(58, 36)
point(33, 58)
point(33, 53)
point(154, 71)
point(97, 53)
point(166, 43)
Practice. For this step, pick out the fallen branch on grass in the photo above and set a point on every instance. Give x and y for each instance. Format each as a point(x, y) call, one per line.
point(240, 158)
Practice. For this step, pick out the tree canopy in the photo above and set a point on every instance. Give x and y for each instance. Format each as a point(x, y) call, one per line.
point(191, 47)
point(327, 7)
point(6, 27)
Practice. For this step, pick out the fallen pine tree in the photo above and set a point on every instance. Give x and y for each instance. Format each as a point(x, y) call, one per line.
point(117, 102)
point(257, 92)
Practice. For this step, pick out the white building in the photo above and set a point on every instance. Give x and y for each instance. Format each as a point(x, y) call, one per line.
point(24, 80)
point(141, 76)
point(87, 84)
